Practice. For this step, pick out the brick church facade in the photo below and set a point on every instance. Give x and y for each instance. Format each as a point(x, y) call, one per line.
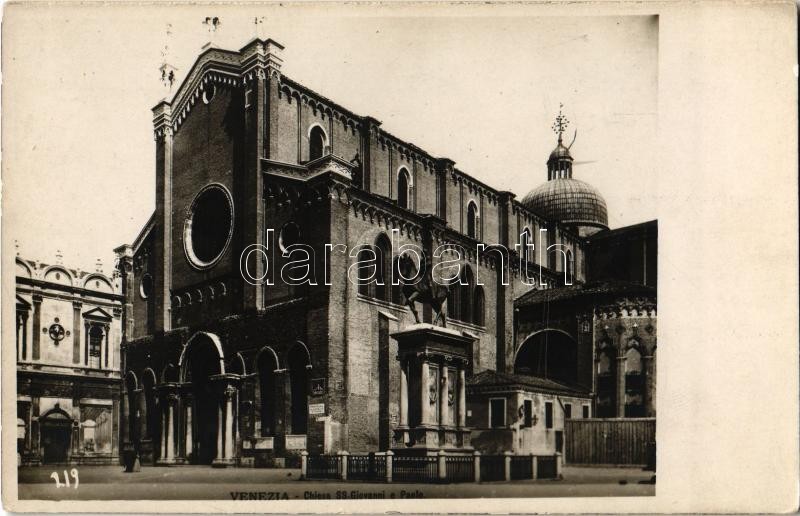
point(223, 370)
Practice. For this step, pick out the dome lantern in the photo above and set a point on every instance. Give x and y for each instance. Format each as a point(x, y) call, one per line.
point(563, 199)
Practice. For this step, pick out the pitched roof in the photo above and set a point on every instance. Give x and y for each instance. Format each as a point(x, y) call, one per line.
point(495, 380)
point(600, 288)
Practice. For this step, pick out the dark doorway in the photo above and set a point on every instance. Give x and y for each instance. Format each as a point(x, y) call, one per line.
point(56, 428)
point(298, 371)
point(203, 362)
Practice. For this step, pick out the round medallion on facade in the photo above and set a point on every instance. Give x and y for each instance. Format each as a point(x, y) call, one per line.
point(208, 228)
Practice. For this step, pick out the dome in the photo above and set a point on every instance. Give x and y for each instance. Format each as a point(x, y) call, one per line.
point(559, 152)
point(569, 201)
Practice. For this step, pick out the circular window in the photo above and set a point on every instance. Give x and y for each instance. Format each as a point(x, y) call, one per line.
point(146, 286)
point(209, 226)
point(208, 94)
point(290, 235)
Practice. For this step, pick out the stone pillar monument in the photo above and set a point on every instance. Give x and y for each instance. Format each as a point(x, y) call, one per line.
point(433, 363)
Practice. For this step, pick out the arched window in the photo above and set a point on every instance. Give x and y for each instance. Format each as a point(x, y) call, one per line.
point(606, 380)
point(454, 301)
point(633, 361)
point(403, 182)
point(316, 143)
point(524, 241)
point(397, 292)
point(569, 266)
point(366, 271)
point(472, 220)
point(383, 285)
point(479, 314)
point(467, 282)
point(96, 336)
point(634, 381)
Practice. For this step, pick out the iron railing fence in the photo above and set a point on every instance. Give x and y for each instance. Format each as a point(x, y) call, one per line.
point(546, 466)
point(493, 467)
point(521, 467)
point(460, 469)
point(415, 469)
point(323, 466)
point(366, 467)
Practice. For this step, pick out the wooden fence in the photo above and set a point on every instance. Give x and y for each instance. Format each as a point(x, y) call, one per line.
point(609, 441)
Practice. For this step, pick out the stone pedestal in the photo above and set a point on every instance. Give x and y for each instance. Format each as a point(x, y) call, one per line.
point(433, 362)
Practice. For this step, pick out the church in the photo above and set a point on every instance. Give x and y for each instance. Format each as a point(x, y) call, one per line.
point(68, 363)
point(226, 364)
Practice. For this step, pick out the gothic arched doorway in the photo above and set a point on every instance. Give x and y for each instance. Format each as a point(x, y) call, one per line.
point(201, 360)
point(56, 430)
point(548, 354)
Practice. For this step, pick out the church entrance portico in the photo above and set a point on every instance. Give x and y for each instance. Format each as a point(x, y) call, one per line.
point(201, 399)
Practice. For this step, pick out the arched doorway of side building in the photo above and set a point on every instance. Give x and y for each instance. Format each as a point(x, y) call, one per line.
point(56, 431)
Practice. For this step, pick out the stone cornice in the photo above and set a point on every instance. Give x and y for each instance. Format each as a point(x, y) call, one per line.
point(256, 60)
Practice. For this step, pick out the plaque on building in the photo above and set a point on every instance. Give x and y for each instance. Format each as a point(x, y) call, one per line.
point(316, 409)
point(318, 386)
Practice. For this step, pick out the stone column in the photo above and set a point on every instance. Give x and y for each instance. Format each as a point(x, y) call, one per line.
point(163, 434)
point(125, 403)
point(230, 438)
point(170, 455)
point(424, 401)
point(403, 394)
point(37, 326)
point(106, 330)
point(188, 446)
point(443, 420)
point(76, 332)
point(648, 363)
point(86, 327)
point(462, 397)
point(621, 386)
point(220, 442)
point(25, 336)
point(143, 415)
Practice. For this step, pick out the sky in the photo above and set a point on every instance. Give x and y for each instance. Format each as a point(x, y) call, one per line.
point(479, 87)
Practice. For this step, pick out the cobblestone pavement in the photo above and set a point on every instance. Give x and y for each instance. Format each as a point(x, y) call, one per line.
point(204, 483)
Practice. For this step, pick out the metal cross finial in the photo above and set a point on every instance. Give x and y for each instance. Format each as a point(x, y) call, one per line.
point(561, 123)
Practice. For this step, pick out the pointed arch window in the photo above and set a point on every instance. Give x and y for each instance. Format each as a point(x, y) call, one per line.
point(316, 143)
point(479, 314)
point(634, 381)
point(472, 220)
point(403, 189)
point(383, 250)
point(524, 245)
point(570, 266)
point(366, 271)
point(466, 287)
